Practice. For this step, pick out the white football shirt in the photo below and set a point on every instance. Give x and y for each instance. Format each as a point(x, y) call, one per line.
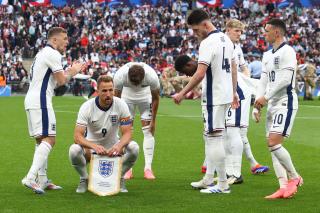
point(134, 93)
point(279, 68)
point(244, 88)
point(216, 51)
point(238, 57)
point(42, 83)
point(103, 124)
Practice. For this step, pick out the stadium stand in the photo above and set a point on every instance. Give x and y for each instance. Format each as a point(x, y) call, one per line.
point(109, 37)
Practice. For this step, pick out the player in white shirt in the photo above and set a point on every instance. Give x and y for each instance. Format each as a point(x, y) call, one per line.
point(219, 83)
point(138, 85)
point(98, 122)
point(237, 120)
point(45, 75)
point(276, 88)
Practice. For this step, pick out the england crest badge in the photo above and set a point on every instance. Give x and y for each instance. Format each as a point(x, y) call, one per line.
point(114, 119)
point(105, 168)
point(276, 61)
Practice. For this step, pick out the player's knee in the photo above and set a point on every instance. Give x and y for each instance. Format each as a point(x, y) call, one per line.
point(145, 122)
point(274, 147)
point(75, 150)
point(274, 139)
point(243, 132)
point(49, 140)
point(133, 148)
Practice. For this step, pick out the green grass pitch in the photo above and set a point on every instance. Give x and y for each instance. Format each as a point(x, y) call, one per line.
point(178, 157)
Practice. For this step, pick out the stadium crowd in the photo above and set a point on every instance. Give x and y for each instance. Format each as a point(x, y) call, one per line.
point(108, 38)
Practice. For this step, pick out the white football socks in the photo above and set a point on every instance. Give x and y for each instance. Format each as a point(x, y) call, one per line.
point(284, 158)
point(279, 171)
point(42, 173)
point(39, 159)
point(204, 161)
point(216, 159)
point(148, 147)
point(247, 148)
point(236, 147)
point(228, 150)
point(210, 168)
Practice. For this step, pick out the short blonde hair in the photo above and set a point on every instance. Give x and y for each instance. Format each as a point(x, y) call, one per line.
point(235, 23)
point(56, 30)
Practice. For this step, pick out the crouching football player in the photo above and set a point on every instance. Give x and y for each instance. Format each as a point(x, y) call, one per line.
point(98, 122)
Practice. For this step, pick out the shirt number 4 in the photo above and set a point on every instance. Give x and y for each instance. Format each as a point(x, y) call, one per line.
point(225, 63)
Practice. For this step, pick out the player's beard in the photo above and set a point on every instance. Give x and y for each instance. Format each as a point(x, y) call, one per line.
point(108, 101)
point(62, 49)
point(203, 35)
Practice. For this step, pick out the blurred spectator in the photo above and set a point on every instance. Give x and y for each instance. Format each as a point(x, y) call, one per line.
point(108, 38)
point(2, 79)
point(307, 74)
point(165, 79)
point(78, 88)
point(93, 83)
point(255, 65)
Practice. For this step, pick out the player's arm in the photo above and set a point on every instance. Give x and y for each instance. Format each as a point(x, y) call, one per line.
point(205, 56)
point(194, 81)
point(118, 83)
point(196, 78)
point(284, 76)
point(234, 75)
point(64, 77)
point(260, 100)
point(154, 104)
point(154, 83)
point(126, 135)
point(245, 70)
point(261, 90)
point(283, 80)
point(243, 66)
point(79, 138)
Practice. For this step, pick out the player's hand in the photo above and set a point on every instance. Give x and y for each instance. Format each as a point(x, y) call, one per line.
point(77, 67)
point(177, 98)
point(256, 115)
point(235, 102)
point(115, 150)
point(100, 150)
point(260, 102)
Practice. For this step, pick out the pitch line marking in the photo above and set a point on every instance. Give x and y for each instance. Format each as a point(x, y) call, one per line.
point(190, 116)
